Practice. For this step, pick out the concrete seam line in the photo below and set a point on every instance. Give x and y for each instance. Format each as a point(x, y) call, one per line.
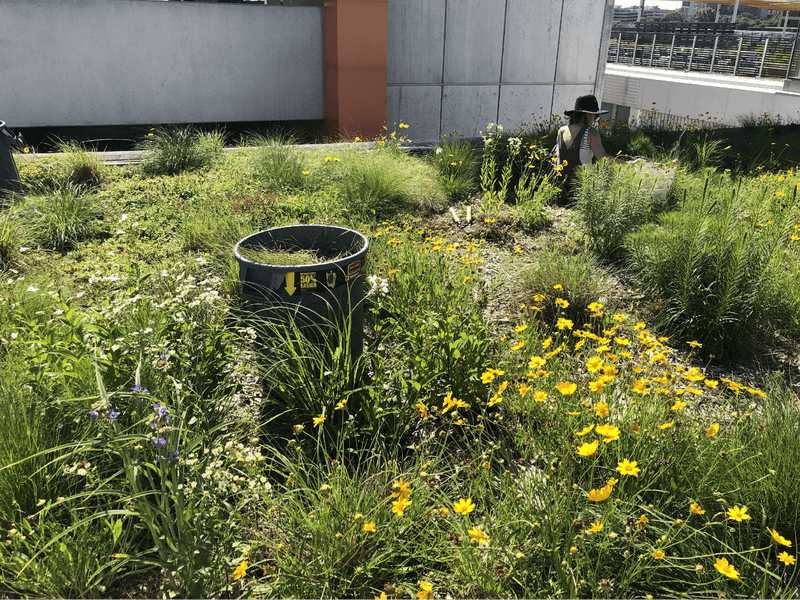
point(555, 66)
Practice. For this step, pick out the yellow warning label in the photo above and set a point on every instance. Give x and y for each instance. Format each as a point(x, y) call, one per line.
point(308, 280)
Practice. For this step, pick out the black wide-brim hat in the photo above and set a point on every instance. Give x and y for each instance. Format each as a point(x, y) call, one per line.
point(586, 104)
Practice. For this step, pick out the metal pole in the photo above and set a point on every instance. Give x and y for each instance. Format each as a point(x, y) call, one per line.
point(714, 54)
point(619, 44)
point(716, 19)
point(763, 56)
point(635, 44)
point(671, 48)
point(691, 54)
point(738, 54)
point(786, 22)
point(652, 50)
point(735, 10)
point(641, 11)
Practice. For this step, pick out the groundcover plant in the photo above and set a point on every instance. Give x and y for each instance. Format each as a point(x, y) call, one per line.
point(527, 418)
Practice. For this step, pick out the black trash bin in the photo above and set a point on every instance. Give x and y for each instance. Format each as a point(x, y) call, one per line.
point(316, 296)
point(9, 176)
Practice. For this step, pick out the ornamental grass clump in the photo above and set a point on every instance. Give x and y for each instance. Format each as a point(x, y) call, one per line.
point(458, 164)
point(173, 149)
point(59, 218)
point(278, 164)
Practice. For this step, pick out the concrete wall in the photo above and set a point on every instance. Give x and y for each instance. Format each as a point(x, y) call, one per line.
point(461, 64)
point(695, 96)
point(102, 62)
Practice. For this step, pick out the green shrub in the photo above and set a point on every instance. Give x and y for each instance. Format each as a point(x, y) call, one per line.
point(717, 264)
point(59, 218)
point(612, 201)
point(172, 150)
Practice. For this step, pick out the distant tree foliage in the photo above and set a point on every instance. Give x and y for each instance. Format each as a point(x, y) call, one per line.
point(675, 15)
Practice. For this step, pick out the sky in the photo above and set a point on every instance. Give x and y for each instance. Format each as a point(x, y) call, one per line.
point(660, 3)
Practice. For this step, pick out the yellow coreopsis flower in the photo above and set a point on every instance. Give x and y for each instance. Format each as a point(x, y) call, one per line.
point(588, 448)
point(426, 590)
point(779, 538)
point(666, 425)
point(240, 571)
point(400, 488)
point(596, 527)
point(601, 409)
point(562, 303)
point(368, 527)
point(712, 430)
point(400, 505)
point(564, 323)
point(566, 388)
point(585, 430)
point(738, 514)
point(695, 508)
point(627, 467)
point(658, 554)
point(524, 388)
point(464, 507)
point(479, 535)
point(679, 405)
point(602, 494)
point(723, 566)
point(423, 410)
point(609, 432)
point(594, 364)
point(319, 420)
point(786, 558)
point(540, 396)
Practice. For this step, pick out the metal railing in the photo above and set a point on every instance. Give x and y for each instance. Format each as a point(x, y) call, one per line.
point(745, 56)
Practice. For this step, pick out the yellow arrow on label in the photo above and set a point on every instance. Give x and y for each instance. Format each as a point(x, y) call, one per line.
point(290, 283)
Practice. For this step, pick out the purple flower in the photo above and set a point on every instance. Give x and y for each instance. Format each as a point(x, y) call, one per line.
point(93, 414)
point(166, 418)
point(136, 388)
point(159, 443)
point(174, 455)
point(153, 425)
point(162, 411)
point(113, 414)
point(155, 406)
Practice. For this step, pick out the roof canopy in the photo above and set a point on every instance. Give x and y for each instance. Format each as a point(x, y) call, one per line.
point(771, 4)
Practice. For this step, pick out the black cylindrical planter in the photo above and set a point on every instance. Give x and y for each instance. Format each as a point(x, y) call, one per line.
point(9, 177)
point(314, 295)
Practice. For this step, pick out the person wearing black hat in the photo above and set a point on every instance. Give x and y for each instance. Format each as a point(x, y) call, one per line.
point(579, 142)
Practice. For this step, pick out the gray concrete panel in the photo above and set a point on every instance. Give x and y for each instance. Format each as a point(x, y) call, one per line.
point(564, 97)
point(468, 109)
point(416, 41)
point(97, 62)
point(531, 41)
point(473, 41)
point(417, 106)
point(523, 106)
point(580, 41)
